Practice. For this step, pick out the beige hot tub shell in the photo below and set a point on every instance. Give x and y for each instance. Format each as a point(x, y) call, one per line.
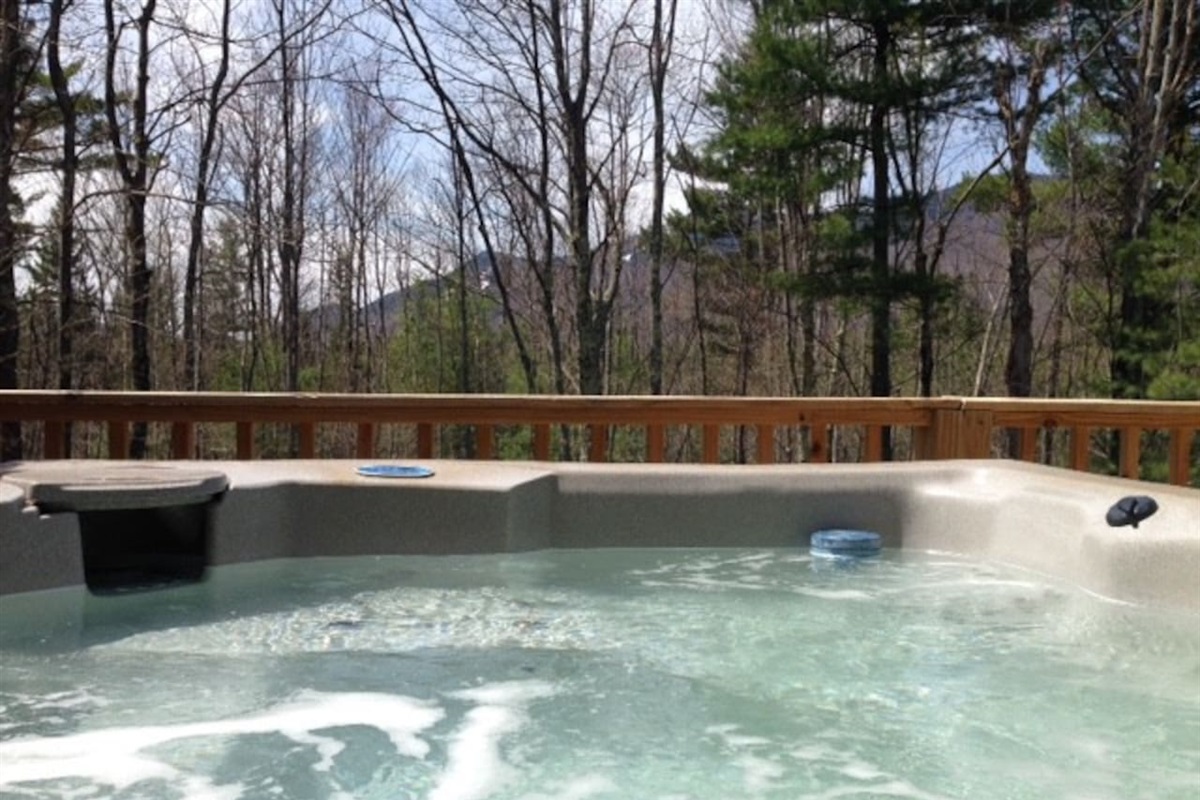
point(1040, 518)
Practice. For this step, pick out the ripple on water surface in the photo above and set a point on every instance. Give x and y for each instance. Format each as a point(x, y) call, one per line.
point(600, 674)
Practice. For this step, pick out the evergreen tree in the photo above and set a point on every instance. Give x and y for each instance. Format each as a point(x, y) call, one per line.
point(21, 122)
point(1142, 83)
point(829, 95)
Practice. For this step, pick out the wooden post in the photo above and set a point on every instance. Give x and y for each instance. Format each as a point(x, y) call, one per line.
point(245, 441)
point(764, 444)
point(118, 439)
point(976, 441)
point(183, 440)
point(942, 439)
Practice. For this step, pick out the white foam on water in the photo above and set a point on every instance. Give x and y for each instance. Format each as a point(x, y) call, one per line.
point(474, 766)
point(896, 788)
point(759, 775)
point(115, 756)
point(582, 787)
point(705, 583)
point(733, 740)
point(73, 698)
point(861, 771)
point(507, 693)
point(832, 594)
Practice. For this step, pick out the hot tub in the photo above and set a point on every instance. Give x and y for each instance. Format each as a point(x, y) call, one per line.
point(580, 631)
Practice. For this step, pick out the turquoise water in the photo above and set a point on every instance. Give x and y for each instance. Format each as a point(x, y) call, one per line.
point(600, 674)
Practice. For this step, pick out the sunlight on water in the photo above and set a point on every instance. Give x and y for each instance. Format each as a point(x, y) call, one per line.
point(600, 674)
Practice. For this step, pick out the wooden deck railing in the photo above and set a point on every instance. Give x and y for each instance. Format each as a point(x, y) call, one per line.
point(941, 428)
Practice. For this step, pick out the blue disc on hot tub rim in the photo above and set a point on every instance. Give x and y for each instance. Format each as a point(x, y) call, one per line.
point(842, 542)
point(393, 471)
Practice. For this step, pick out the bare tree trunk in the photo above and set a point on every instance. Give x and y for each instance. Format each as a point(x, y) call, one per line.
point(459, 204)
point(192, 276)
point(256, 269)
point(458, 128)
point(292, 201)
point(575, 103)
point(133, 165)
point(1019, 126)
point(66, 203)
point(662, 38)
point(881, 226)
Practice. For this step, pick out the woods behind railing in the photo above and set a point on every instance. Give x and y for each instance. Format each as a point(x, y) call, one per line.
point(1150, 440)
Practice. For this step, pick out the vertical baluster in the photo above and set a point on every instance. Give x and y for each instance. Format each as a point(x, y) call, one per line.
point(364, 441)
point(245, 441)
point(1029, 444)
point(598, 443)
point(118, 439)
point(712, 444)
point(818, 442)
point(484, 442)
point(1131, 452)
point(425, 440)
point(1179, 470)
point(54, 439)
point(308, 439)
point(541, 442)
point(1081, 448)
point(656, 444)
point(874, 446)
point(183, 440)
point(764, 444)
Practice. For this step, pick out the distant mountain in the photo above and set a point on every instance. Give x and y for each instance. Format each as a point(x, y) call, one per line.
point(976, 254)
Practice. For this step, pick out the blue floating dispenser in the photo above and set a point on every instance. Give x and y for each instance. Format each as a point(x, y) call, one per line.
point(393, 471)
point(845, 545)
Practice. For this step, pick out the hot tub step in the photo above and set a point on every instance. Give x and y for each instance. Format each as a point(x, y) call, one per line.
point(141, 526)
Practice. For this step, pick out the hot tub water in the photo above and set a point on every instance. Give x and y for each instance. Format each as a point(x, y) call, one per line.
point(600, 674)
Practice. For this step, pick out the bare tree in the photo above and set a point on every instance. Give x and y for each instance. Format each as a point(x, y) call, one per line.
point(365, 166)
point(66, 203)
point(215, 99)
point(543, 69)
point(132, 156)
point(662, 40)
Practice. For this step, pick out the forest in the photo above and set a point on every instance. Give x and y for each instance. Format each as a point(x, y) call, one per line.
point(707, 197)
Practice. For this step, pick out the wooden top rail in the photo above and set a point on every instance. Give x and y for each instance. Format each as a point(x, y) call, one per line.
point(1046, 413)
point(62, 406)
point(463, 409)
